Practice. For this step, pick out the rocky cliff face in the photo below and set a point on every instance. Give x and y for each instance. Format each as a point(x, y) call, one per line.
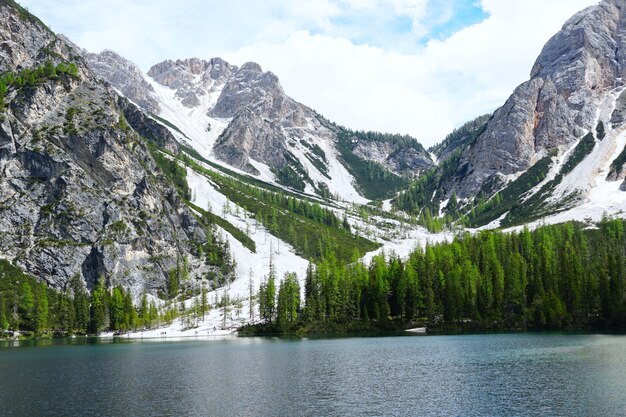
point(401, 160)
point(125, 76)
point(558, 105)
point(192, 79)
point(79, 192)
point(243, 117)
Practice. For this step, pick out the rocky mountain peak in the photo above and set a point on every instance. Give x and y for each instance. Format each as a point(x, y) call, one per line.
point(558, 105)
point(192, 78)
point(22, 37)
point(80, 193)
point(125, 76)
point(251, 67)
point(251, 88)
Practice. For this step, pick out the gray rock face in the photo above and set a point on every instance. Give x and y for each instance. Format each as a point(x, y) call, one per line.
point(266, 125)
point(558, 104)
point(192, 78)
point(264, 120)
point(125, 76)
point(147, 127)
point(79, 192)
point(401, 161)
point(16, 49)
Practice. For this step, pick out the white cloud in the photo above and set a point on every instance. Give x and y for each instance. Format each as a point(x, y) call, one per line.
point(425, 94)
point(356, 71)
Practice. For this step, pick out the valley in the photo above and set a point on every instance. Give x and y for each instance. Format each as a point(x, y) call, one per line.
point(202, 187)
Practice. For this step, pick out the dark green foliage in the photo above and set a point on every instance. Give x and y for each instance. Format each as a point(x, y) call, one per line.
point(38, 311)
point(288, 303)
point(30, 77)
point(600, 133)
point(28, 305)
point(281, 213)
point(213, 219)
point(68, 126)
point(618, 163)
point(374, 180)
point(187, 152)
point(289, 177)
point(584, 148)
point(562, 276)
point(215, 249)
point(535, 207)
point(167, 123)
point(173, 171)
point(267, 296)
point(511, 196)
point(402, 141)
point(461, 137)
point(424, 195)
point(98, 308)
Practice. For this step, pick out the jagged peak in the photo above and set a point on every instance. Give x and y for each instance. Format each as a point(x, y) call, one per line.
point(251, 67)
point(587, 30)
point(194, 65)
point(24, 14)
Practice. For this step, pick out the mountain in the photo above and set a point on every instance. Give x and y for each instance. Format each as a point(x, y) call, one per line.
point(81, 193)
point(201, 175)
point(107, 171)
point(241, 116)
point(556, 145)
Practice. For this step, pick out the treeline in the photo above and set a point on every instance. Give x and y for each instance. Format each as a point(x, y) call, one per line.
point(215, 250)
point(307, 226)
point(461, 137)
point(556, 277)
point(276, 199)
point(29, 77)
point(34, 309)
point(402, 141)
point(30, 307)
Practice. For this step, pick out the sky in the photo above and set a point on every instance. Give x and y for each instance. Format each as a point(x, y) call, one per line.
point(418, 67)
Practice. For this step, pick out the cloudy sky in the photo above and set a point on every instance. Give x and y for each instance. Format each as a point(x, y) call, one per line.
point(421, 67)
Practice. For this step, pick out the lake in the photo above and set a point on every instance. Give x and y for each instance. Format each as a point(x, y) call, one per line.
point(526, 374)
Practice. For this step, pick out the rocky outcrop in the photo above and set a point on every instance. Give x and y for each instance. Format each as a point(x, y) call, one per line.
point(558, 104)
point(403, 161)
point(125, 76)
point(192, 78)
point(264, 120)
point(79, 191)
point(262, 123)
point(147, 127)
point(16, 49)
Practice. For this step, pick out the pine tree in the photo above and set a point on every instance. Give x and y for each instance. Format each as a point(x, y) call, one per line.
point(204, 303)
point(81, 304)
point(40, 310)
point(116, 309)
point(225, 308)
point(144, 311)
point(4, 321)
point(26, 305)
point(288, 304)
point(98, 310)
point(251, 303)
